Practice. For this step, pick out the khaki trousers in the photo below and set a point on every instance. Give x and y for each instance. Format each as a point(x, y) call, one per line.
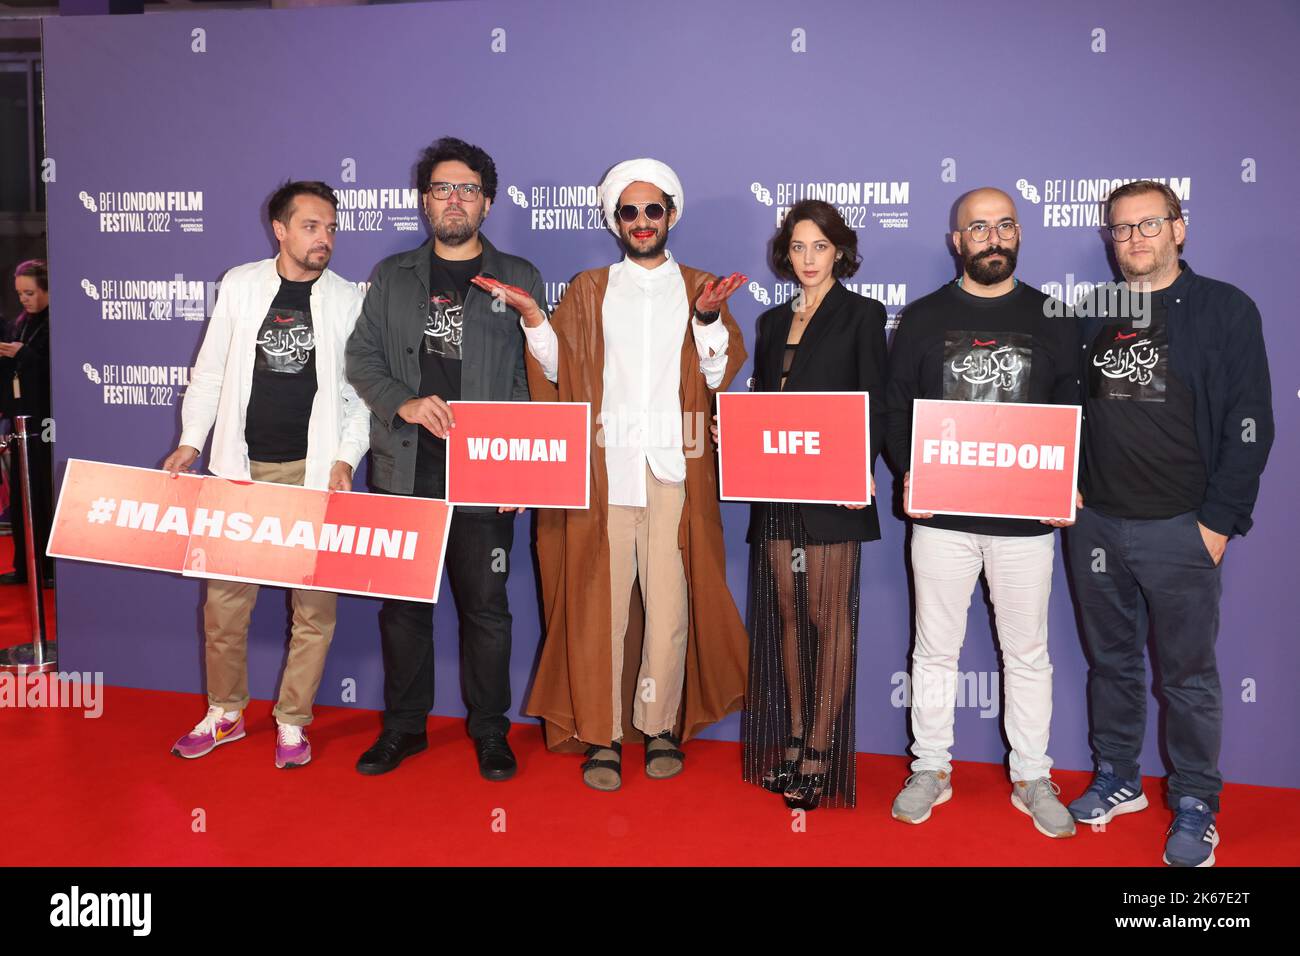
point(226, 612)
point(643, 545)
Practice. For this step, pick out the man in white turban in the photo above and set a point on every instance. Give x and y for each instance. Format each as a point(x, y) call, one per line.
point(647, 342)
point(649, 171)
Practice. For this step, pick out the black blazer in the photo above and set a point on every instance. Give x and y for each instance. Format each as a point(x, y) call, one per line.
point(842, 350)
point(31, 365)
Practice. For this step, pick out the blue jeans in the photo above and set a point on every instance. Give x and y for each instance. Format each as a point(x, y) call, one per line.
point(1119, 567)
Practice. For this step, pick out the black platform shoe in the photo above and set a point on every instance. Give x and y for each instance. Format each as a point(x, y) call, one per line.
point(805, 792)
point(782, 775)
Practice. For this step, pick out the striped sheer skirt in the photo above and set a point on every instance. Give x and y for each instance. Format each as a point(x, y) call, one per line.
point(803, 628)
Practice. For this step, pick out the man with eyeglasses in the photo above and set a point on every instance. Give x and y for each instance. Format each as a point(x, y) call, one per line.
point(426, 338)
point(1178, 422)
point(986, 337)
point(648, 342)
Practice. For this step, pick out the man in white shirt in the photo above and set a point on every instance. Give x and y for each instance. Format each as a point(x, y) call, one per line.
point(648, 342)
point(269, 385)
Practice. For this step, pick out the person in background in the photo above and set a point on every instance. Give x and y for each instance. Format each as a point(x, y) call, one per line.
point(25, 390)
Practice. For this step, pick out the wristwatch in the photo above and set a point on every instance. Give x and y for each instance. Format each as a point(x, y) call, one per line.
point(707, 318)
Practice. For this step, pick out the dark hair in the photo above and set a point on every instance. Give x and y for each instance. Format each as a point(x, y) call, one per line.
point(280, 207)
point(449, 148)
point(35, 269)
point(826, 218)
point(1139, 187)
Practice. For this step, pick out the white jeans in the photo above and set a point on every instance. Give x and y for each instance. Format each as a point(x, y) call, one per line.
point(946, 566)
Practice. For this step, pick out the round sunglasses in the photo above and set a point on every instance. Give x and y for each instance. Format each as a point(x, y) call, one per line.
point(654, 211)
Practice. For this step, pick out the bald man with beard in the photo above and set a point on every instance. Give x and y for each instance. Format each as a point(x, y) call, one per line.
point(943, 342)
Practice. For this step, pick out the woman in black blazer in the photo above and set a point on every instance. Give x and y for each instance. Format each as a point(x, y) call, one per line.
point(25, 390)
point(805, 558)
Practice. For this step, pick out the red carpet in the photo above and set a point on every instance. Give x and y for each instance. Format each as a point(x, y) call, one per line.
point(15, 616)
point(115, 796)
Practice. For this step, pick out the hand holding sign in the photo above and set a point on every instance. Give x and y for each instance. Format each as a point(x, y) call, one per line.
point(431, 412)
point(1061, 522)
point(340, 476)
point(180, 460)
point(907, 488)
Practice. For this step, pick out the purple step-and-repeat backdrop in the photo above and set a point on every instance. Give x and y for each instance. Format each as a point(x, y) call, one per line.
point(168, 132)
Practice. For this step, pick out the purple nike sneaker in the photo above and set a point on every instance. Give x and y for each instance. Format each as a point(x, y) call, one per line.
point(210, 733)
point(292, 749)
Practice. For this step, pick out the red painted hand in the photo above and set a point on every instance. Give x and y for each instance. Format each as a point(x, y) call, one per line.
point(513, 296)
point(716, 292)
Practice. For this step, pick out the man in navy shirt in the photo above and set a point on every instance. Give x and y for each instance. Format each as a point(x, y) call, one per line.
point(1178, 422)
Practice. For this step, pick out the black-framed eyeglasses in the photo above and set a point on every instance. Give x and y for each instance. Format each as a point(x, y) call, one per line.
point(468, 192)
point(654, 211)
point(1123, 231)
point(979, 231)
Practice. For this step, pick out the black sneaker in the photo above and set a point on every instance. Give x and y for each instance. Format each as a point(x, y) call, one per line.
point(496, 761)
point(389, 750)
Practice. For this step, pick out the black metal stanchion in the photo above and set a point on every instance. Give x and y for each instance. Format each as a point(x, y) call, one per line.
point(39, 655)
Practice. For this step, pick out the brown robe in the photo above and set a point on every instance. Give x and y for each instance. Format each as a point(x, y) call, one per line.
point(572, 688)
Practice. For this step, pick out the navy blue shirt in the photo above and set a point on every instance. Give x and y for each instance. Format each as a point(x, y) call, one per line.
point(1216, 340)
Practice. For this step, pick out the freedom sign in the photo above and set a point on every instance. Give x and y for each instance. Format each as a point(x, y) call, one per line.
point(994, 459)
point(520, 454)
point(253, 531)
point(810, 447)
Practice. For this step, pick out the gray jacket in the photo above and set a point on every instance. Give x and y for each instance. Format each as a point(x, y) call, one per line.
point(383, 353)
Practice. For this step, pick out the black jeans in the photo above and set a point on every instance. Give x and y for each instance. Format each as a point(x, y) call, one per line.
point(477, 565)
point(1116, 565)
point(41, 473)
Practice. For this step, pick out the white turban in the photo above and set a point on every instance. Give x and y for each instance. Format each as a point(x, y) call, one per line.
point(639, 171)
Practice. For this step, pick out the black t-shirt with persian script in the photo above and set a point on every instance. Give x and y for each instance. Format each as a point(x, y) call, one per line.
point(1141, 455)
point(954, 346)
point(284, 377)
point(440, 360)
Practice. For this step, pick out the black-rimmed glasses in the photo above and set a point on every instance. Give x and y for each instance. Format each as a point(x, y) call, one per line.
point(1123, 231)
point(468, 192)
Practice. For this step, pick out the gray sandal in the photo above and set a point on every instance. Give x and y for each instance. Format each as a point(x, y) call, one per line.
point(601, 773)
point(665, 760)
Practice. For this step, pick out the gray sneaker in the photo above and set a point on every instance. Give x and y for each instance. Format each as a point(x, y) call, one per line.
point(921, 793)
point(1038, 799)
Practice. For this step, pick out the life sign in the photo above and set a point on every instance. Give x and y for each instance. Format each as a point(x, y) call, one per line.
point(811, 447)
point(994, 459)
point(520, 454)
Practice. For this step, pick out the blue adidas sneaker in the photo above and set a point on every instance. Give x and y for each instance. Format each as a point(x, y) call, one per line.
point(1107, 797)
point(1193, 835)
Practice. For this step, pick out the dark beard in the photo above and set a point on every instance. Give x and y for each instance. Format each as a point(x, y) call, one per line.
point(986, 273)
point(455, 233)
point(307, 265)
point(652, 253)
